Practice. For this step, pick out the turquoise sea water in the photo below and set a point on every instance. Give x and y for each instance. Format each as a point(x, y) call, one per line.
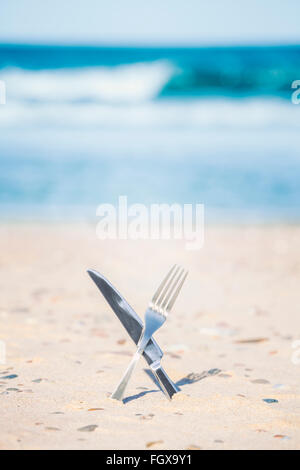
point(83, 125)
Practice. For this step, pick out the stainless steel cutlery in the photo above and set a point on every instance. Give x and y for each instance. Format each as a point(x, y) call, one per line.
point(155, 316)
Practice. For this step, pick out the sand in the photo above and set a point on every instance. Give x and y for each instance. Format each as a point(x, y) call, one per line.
point(228, 341)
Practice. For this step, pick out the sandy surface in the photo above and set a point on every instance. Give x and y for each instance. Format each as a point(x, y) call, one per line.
point(228, 341)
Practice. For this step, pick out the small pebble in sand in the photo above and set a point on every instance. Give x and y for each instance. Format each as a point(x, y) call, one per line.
point(147, 417)
point(280, 386)
point(9, 377)
point(281, 436)
point(20, 310)
point(96, 409)
point(172, 355)
point(260, 381)
point(12, 389)
point(153, 443)
point(37, 381)
point(89, 428)
point(121, 341)
point(251, 340)
point(193, 447)
point(51, 428)
point(218, 441)
point(270, 400)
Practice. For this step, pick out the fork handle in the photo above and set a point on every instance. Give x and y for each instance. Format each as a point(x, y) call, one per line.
point(119, 391)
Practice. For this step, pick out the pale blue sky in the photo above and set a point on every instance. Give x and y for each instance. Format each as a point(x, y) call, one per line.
point(150, 21)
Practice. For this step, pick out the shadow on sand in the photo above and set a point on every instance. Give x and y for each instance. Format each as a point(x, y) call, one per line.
point(187, 380)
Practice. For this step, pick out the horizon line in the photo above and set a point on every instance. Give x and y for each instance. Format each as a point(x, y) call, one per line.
point(147, 45)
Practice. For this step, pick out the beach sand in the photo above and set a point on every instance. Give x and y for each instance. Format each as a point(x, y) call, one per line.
point(228, 341)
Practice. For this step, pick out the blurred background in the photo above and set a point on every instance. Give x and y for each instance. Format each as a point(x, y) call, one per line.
point(174, 101)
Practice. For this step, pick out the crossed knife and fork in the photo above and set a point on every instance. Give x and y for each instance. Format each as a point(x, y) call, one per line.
point(155, 316)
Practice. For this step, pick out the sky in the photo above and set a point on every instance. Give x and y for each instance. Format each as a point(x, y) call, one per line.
point(144, 22)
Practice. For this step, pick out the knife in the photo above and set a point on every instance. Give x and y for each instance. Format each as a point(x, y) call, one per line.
point(134, 327)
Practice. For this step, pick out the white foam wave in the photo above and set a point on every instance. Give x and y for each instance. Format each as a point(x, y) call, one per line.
point(134, 83)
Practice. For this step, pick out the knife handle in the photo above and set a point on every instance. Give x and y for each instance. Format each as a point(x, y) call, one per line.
point(167, 385)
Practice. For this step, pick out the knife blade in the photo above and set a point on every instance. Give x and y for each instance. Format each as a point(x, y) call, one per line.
point(134, 326)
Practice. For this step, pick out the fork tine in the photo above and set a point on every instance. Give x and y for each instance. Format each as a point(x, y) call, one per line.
point(162, 285)
point(167, 286)
point(169, 292)
point(173, 299)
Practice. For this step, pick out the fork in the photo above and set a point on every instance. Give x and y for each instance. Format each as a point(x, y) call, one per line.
point(155, 316)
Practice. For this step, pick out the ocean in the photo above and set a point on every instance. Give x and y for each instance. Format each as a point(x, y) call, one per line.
point(83, 125)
